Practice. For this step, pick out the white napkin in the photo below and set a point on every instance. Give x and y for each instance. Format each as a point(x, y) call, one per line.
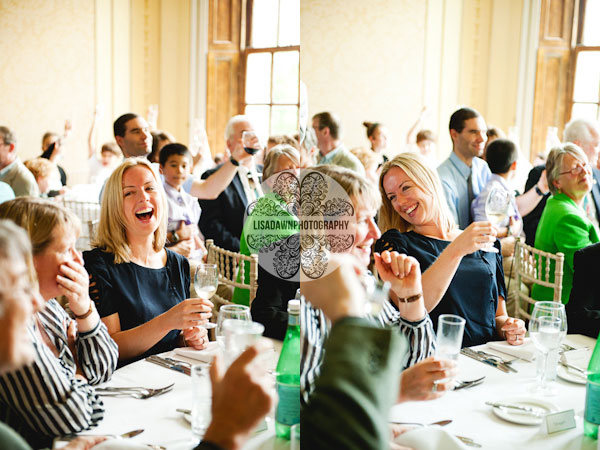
point(205, 355)
point(578, 358)
point(117, 444)
point(526, 351)
point(429, 438)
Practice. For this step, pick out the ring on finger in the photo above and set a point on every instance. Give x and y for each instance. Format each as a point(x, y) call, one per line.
point(434, 388)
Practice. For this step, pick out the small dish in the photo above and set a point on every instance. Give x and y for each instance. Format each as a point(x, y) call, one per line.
point(522, 417)
point(572, 376)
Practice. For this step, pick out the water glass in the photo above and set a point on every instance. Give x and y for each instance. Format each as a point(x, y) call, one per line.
point(201, 398)
point(240, 312)
point(547, 328)
point(295, 437)
point(377, 293)
point(239, 335)
point(449, 337)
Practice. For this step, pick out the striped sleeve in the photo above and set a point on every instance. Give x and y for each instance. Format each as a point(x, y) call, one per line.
point(97, 354)
point(420, 335)
point(314, 329)
point(44, 399)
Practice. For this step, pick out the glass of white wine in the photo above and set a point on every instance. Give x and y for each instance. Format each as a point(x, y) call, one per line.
point(497, 206)
point(206, 281)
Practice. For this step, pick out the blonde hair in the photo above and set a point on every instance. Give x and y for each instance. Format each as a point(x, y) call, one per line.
point(358, 188)
point(13, 242)
point(368, 158)
point(40, 167)
point(39, 217)
point(273, 156)
point(426, 179)
point(111, 235)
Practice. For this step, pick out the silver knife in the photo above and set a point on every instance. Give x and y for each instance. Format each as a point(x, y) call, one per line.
point(528, 409)
point(468, 441)
point(162, 362)
point(472, 354)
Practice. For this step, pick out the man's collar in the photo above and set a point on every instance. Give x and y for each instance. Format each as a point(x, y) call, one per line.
point(7, 168)
point(460, 164)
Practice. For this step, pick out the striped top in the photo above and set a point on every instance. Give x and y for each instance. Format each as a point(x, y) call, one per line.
point(44, 399)
point(314, 329)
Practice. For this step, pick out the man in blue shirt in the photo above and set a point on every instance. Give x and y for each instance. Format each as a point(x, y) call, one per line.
point(327, 127)
point(464, 173)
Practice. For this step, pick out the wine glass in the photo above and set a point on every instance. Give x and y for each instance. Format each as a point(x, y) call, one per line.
point(377, 292)
point(237, 312)
point(250, 142)
point(496, 210)
point(547, 328)
point(206, 281)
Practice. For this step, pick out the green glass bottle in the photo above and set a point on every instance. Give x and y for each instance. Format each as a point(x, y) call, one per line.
point(288, 375)
point(592, 395)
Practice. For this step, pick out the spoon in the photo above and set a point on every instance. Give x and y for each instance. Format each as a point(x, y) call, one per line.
point(441, 423)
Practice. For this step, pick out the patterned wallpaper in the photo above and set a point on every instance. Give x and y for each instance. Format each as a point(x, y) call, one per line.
point(48, 73)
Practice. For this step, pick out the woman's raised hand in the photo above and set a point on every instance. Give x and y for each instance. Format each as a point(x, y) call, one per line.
point(189, 313)
point(74, 283)
point(401, 271)
point(473, 238)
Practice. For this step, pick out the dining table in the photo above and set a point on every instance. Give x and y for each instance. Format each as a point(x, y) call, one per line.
point(163, 425)
point(472, 418)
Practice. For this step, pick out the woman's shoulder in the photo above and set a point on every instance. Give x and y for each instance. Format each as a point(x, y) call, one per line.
point(97, 255)
point(394, 240)
point(175, 259)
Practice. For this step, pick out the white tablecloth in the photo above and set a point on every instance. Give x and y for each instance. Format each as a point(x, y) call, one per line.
point(471, 417)
point(162, 424)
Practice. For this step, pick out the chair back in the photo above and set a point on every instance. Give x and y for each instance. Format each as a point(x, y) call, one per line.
point(87, 212)
point(534, 266)
point(229, 265)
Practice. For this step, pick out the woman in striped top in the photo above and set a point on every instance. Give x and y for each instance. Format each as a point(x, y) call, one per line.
point(53, 395)
point(409, 316)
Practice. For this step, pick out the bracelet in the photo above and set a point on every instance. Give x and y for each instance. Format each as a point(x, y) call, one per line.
point(234, 161)
point(414, 298)
point(539, 191)
point(87, 314)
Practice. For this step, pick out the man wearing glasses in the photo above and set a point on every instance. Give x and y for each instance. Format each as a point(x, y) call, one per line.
point(12, 170)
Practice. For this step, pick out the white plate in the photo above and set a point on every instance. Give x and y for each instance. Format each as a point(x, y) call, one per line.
point(515, 416)
point(262, 426)
point(570, 375)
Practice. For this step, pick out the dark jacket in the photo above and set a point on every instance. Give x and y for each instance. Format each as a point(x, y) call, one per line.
point(583, 309)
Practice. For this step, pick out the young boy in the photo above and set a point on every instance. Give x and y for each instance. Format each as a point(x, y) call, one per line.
point(184, 211)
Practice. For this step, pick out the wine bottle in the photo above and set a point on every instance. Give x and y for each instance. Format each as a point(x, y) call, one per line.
point(288, 375)
point(592, 395)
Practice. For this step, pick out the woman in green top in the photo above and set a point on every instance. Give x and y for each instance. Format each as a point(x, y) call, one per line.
point(280, 158)
point(564, 226)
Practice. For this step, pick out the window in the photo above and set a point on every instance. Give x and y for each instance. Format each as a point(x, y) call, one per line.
point(272, 66)
point(585, 98)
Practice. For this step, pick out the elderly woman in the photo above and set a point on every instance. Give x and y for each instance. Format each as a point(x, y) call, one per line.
point(458, 277)
point(564, 226)
point(52, 394)
point(142, 290)
point(270, 305)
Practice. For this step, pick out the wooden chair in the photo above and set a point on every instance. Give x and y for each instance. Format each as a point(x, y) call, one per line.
point(534, 266)
point(92, 228)
point(229, 264)
point(86, 211)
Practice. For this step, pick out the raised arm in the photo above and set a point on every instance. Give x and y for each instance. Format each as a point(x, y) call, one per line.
point(411, 136)
point(530, 199)
point(135, 341)
point(210, 188)
point(92, 135)
point(438, 276)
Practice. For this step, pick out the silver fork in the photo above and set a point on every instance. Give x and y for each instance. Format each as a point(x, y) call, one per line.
point(468, 383)
point(139, 394)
